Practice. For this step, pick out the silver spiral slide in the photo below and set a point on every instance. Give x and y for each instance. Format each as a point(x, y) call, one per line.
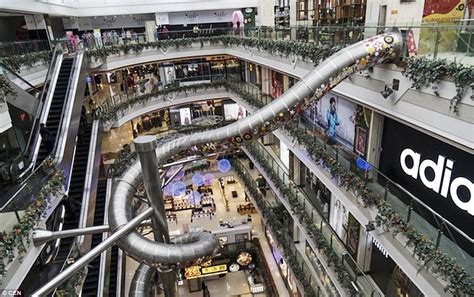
point(378, 49)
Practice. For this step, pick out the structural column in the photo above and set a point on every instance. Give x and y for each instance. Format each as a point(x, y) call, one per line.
point(145, 146)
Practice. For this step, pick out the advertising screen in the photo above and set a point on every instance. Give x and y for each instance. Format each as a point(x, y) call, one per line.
point(435, 172)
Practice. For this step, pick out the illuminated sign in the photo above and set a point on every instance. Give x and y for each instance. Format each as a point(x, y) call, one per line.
point(214, 269)
point(440, 177)
point(199, 271)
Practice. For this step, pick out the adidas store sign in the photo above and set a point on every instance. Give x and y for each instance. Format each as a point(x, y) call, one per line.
point(442, 182)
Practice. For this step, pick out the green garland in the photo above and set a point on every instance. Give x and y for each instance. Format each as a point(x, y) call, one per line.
point(460, 282)
point(281, 47)
point(16, 62)
point(6, 89)
point(322, 244)
point(424, 72)
point(20, 237)
point(108, 114)
point(272, 216)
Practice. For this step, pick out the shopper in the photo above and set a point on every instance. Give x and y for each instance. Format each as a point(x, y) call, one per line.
point(47, 137)
point(165, 32)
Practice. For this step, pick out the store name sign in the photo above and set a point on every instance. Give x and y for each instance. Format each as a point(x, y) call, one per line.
point(214, 269)
point(442, 182)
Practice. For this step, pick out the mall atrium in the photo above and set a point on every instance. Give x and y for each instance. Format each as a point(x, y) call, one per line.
point(237, 148)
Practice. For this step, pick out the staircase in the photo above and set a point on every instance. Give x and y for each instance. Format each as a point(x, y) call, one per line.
point(91, 282)
point(57, 104)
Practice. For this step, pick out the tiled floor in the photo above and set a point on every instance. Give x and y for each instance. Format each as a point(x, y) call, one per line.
point(233, 284)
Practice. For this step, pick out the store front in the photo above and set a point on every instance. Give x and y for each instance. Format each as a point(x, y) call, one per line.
point(316, 191)
point(285, 271)
point(438, 174)
point(199, 70)
point(388, 276)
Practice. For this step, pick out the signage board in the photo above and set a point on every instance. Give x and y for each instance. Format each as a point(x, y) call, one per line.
point(438, 174)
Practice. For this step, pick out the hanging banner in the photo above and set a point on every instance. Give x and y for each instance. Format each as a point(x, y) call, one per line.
point(443, 11)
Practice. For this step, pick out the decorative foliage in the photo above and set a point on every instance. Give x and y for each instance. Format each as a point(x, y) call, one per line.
point(284, 48)
point(460, 282)
point(15, 242)
point(424, 72)
point(107, 114)
point(6, 90)
point(16, 62)
point(311, 229)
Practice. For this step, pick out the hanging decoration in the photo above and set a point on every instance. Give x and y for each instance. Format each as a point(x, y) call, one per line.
point(208, 179)
point(223, 165)
point(195, 198)
point(198, 179)
point(179, 188)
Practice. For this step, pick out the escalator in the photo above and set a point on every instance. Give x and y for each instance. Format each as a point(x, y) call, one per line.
point(57, 104)
point(91, 282)
point(42, 273)
point(76, 190)
point(113, 272)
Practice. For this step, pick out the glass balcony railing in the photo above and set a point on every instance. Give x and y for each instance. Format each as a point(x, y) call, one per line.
point(293, 255)
point(442, 233)
point(316, 219)
point(446, 236)
point(444, 40)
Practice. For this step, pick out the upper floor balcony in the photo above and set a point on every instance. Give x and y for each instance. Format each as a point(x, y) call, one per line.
point(431, 94)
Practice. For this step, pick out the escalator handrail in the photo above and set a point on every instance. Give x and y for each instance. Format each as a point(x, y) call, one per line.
point(68, 103)
point(34, 135)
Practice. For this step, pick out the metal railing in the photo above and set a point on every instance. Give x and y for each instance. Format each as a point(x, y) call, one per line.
point(440, 40)
point(318, 221)
point(447, 237)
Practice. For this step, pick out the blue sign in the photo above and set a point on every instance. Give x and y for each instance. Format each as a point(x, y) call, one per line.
point(363, 164)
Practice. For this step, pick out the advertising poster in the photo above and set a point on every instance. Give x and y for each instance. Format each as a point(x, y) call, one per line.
point(332, 116)
point(233, 111)
point(443, 10)
point(185, 116)
point(440, 11)
point(277, 84)
point(438, 174)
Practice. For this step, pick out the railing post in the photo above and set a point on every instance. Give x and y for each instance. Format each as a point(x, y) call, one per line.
point(440, 233)
point(410, 208)
point(435, 54)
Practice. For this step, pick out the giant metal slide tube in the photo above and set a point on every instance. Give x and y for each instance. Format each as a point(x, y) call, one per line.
point(378, 49)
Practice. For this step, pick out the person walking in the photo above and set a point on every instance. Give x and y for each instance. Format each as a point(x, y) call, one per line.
point(47, 138)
